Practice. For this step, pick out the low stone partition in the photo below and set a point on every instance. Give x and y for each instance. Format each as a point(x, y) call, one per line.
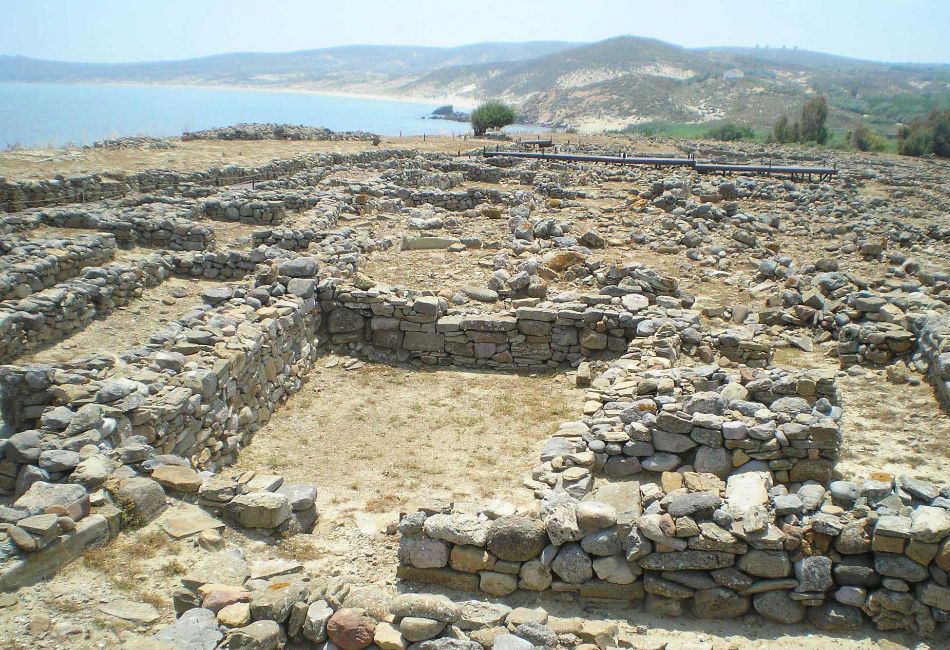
point(933, 338)
point(258, 131)
point(254, 500)
point(199, 389)
point(291, 239)
point(53, 315)
point(28, 266)
point(873, 344)
point(451, 201)
point(227, 264)
point(423, 178)
point(705, 419)
point(555, 191)
point(266, 604)
point(245, 209)
point(311, 227)
point(538, 334)
point(156, 225)
point(112, 488)
point(696, 545)
point(489, 172)
point(23, 195)
point(48, 527)
point(742, 347)
point(16, 196)
point(263, 207)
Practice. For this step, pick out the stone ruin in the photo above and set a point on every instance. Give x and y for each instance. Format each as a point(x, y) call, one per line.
point(698, 479)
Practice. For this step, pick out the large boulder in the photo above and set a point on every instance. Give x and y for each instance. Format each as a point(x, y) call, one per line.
point(258, 510)
point(457, 529)
point(778, 606)
point(572, 564)
point(259, 635)
point(196, 629)
point(140, 499)
point(42, 495)
point(517, 538)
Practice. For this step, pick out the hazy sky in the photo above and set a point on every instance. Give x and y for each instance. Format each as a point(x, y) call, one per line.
point(136, 30)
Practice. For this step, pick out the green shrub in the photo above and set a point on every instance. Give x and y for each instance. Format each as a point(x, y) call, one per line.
point(915, 141)
point(864, 138)
point(492, 115)
point(730, 133)
point(924, 137)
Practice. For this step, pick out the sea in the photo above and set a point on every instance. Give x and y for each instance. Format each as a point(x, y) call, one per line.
point(57, 114)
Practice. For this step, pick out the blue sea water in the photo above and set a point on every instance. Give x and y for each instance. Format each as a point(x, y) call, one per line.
point(39, 114)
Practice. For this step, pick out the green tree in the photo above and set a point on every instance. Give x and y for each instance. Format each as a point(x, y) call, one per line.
point(941, 142)
point(864, 138)
point(491, 115)
point(814, 116)
point(780, 130)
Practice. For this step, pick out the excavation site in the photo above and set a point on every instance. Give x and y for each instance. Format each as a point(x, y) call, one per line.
point(575, 392)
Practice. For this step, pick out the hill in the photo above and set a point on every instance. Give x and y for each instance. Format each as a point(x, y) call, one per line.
point(608, 84)
point(627, 80)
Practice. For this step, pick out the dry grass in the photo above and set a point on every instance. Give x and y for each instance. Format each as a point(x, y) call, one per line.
point(298, 547)
point(124, 561)
point(198, 155)
point(383, 434)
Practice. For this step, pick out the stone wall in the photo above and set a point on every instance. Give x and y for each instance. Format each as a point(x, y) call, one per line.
point(696, 545)
point(28, 266)
point(701, 418)
point(451, 201)
point(933, 338)
point(198, 389)
point(53, 315)
point(16, 196)
point(543, 334)
point(154, 225)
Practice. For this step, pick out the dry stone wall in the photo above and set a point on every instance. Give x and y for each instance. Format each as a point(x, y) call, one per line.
point(28, 266)
point(701, 418)
point(198, 389)
point(16, 196)
point(700, 546)
point(53, 315)
point(542, 334)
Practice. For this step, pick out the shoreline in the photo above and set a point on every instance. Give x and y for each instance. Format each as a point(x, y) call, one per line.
point(455, 101)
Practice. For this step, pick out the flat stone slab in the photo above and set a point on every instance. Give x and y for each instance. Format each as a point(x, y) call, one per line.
point(185, 524)
point(745, 491)
point(129, 610)
point(224, 567)
point(426, 243)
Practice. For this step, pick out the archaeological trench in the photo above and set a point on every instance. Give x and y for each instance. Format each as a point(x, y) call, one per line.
point(709, 324)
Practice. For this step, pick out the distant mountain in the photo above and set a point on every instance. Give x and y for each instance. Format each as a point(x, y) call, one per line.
point(607, 84)
point(274, 69)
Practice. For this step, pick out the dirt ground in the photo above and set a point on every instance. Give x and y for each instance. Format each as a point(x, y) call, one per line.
point(21, 164)
point(394, 432)
point(888, 427)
